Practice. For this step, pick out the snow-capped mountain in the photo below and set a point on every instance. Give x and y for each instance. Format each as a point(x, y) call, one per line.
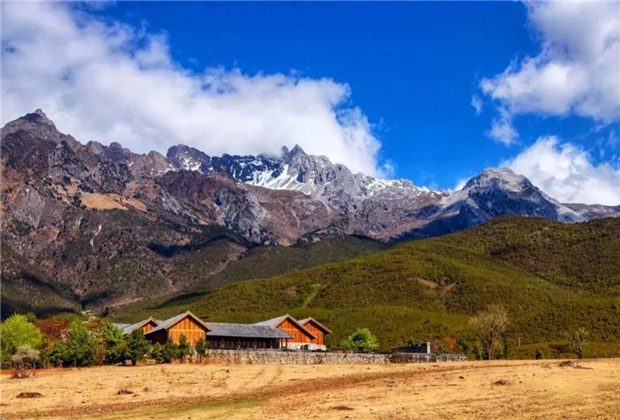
point(277, 199)
point(387, 209)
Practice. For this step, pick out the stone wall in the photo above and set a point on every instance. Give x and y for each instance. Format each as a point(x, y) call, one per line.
point(276, 357)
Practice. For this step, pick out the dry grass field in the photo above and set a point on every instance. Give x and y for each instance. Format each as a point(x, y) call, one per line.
point(472, 390)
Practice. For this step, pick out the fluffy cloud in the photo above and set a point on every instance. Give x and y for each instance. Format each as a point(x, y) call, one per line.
point(112, 82)
point(566, 173)
point(476, 102)
point(502, 129)
point(577, 70)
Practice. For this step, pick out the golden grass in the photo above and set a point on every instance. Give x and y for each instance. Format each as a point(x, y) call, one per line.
point(531, 390)
point(101, 202)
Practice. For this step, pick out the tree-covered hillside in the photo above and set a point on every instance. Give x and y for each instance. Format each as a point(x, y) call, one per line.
point(551, 277)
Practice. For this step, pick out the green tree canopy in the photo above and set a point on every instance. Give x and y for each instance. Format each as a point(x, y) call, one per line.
point(18, 331)
point(184, 348)
point(137, 346)
point(361, 341)
point(78, 350)
point(170, 351)
point(201, 349)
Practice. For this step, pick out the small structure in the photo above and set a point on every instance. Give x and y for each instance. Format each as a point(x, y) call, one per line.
point(187, 324)
point(420, 348)
point(145, 325)
point(301, 337)
point(319, 330)
point(244, 336)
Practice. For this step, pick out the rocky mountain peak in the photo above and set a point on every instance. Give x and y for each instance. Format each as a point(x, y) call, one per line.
point(38, 116)
point(295, 151)
point(503, 178)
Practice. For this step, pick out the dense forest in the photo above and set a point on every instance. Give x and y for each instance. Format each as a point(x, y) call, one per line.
point(552, 278)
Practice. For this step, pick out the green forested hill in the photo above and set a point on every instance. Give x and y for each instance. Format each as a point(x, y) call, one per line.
point(551, 277)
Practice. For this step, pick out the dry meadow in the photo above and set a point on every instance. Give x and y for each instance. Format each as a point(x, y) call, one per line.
point(471, 390)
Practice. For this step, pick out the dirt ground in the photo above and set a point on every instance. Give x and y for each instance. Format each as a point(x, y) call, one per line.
point(472, 390)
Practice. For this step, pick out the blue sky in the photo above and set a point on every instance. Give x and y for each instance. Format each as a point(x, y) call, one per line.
point(412, 69)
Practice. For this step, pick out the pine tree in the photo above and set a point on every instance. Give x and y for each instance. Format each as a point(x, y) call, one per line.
point(184, 348)
point(170, 351)
point(137, 347)
point(201, 349)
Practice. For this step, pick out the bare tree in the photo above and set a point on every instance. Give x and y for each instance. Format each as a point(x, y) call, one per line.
point(489, 325)
point(578, 341)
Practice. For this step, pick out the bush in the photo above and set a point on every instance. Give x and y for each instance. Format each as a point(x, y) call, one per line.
point(108, 340)
point(136, 347)
point(201, 349)
point(15, 332)
point(170, 351)
point(361, 341)
point(24, 359)
point(53, 330)
point(185, 349)
point(157, 353)
point(78, 350)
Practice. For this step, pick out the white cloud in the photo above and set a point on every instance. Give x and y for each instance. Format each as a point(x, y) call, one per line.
point(502, 129)
point(566, 173)
point(476, 102)
point(112, 82)
point(577, 70)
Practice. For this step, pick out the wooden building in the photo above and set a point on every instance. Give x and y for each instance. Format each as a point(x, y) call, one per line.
point(244, 336)
point(301, 337)
point(315, 327)
point(283, 332)
point(145, 325)
point(186, 324)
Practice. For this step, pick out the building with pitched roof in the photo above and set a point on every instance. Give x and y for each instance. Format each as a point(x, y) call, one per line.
point(283, 332)
point(319, 330)
point(303, 338)
point(187, 324)
point(145, 325)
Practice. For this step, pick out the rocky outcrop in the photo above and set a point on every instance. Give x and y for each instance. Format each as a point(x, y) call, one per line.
point(94, 218)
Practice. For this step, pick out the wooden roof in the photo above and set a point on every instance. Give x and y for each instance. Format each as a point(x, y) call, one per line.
point(170, 322)
point(315, 322)
point(129, 328)
point(275, 323)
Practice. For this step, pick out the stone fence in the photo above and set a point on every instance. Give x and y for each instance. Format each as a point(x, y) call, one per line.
point(277, 357)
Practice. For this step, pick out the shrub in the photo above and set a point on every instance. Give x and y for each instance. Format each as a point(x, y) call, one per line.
point(170, 351)
point(201, 349)
point(53, 330)
point(78, 350)
point(136, 347)
point(157, 353)
point(184, 348)
point(15, 332)
point(107, 339)
point(24, 359)
point(361, 341)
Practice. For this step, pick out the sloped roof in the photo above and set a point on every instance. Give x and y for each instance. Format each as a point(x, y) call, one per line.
point(167, 323)
point(219, 329)
point(318, 324)
point(129, 328)
point(274, 322)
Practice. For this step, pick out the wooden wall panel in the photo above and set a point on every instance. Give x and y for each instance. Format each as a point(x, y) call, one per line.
point(188, 327)
point(299, 335)
point(317, 332)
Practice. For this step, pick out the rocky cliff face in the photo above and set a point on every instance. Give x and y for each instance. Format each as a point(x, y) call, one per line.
point(99, 221)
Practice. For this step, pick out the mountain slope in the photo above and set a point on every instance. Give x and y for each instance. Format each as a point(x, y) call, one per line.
point(551, 277)
point(111, 226)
